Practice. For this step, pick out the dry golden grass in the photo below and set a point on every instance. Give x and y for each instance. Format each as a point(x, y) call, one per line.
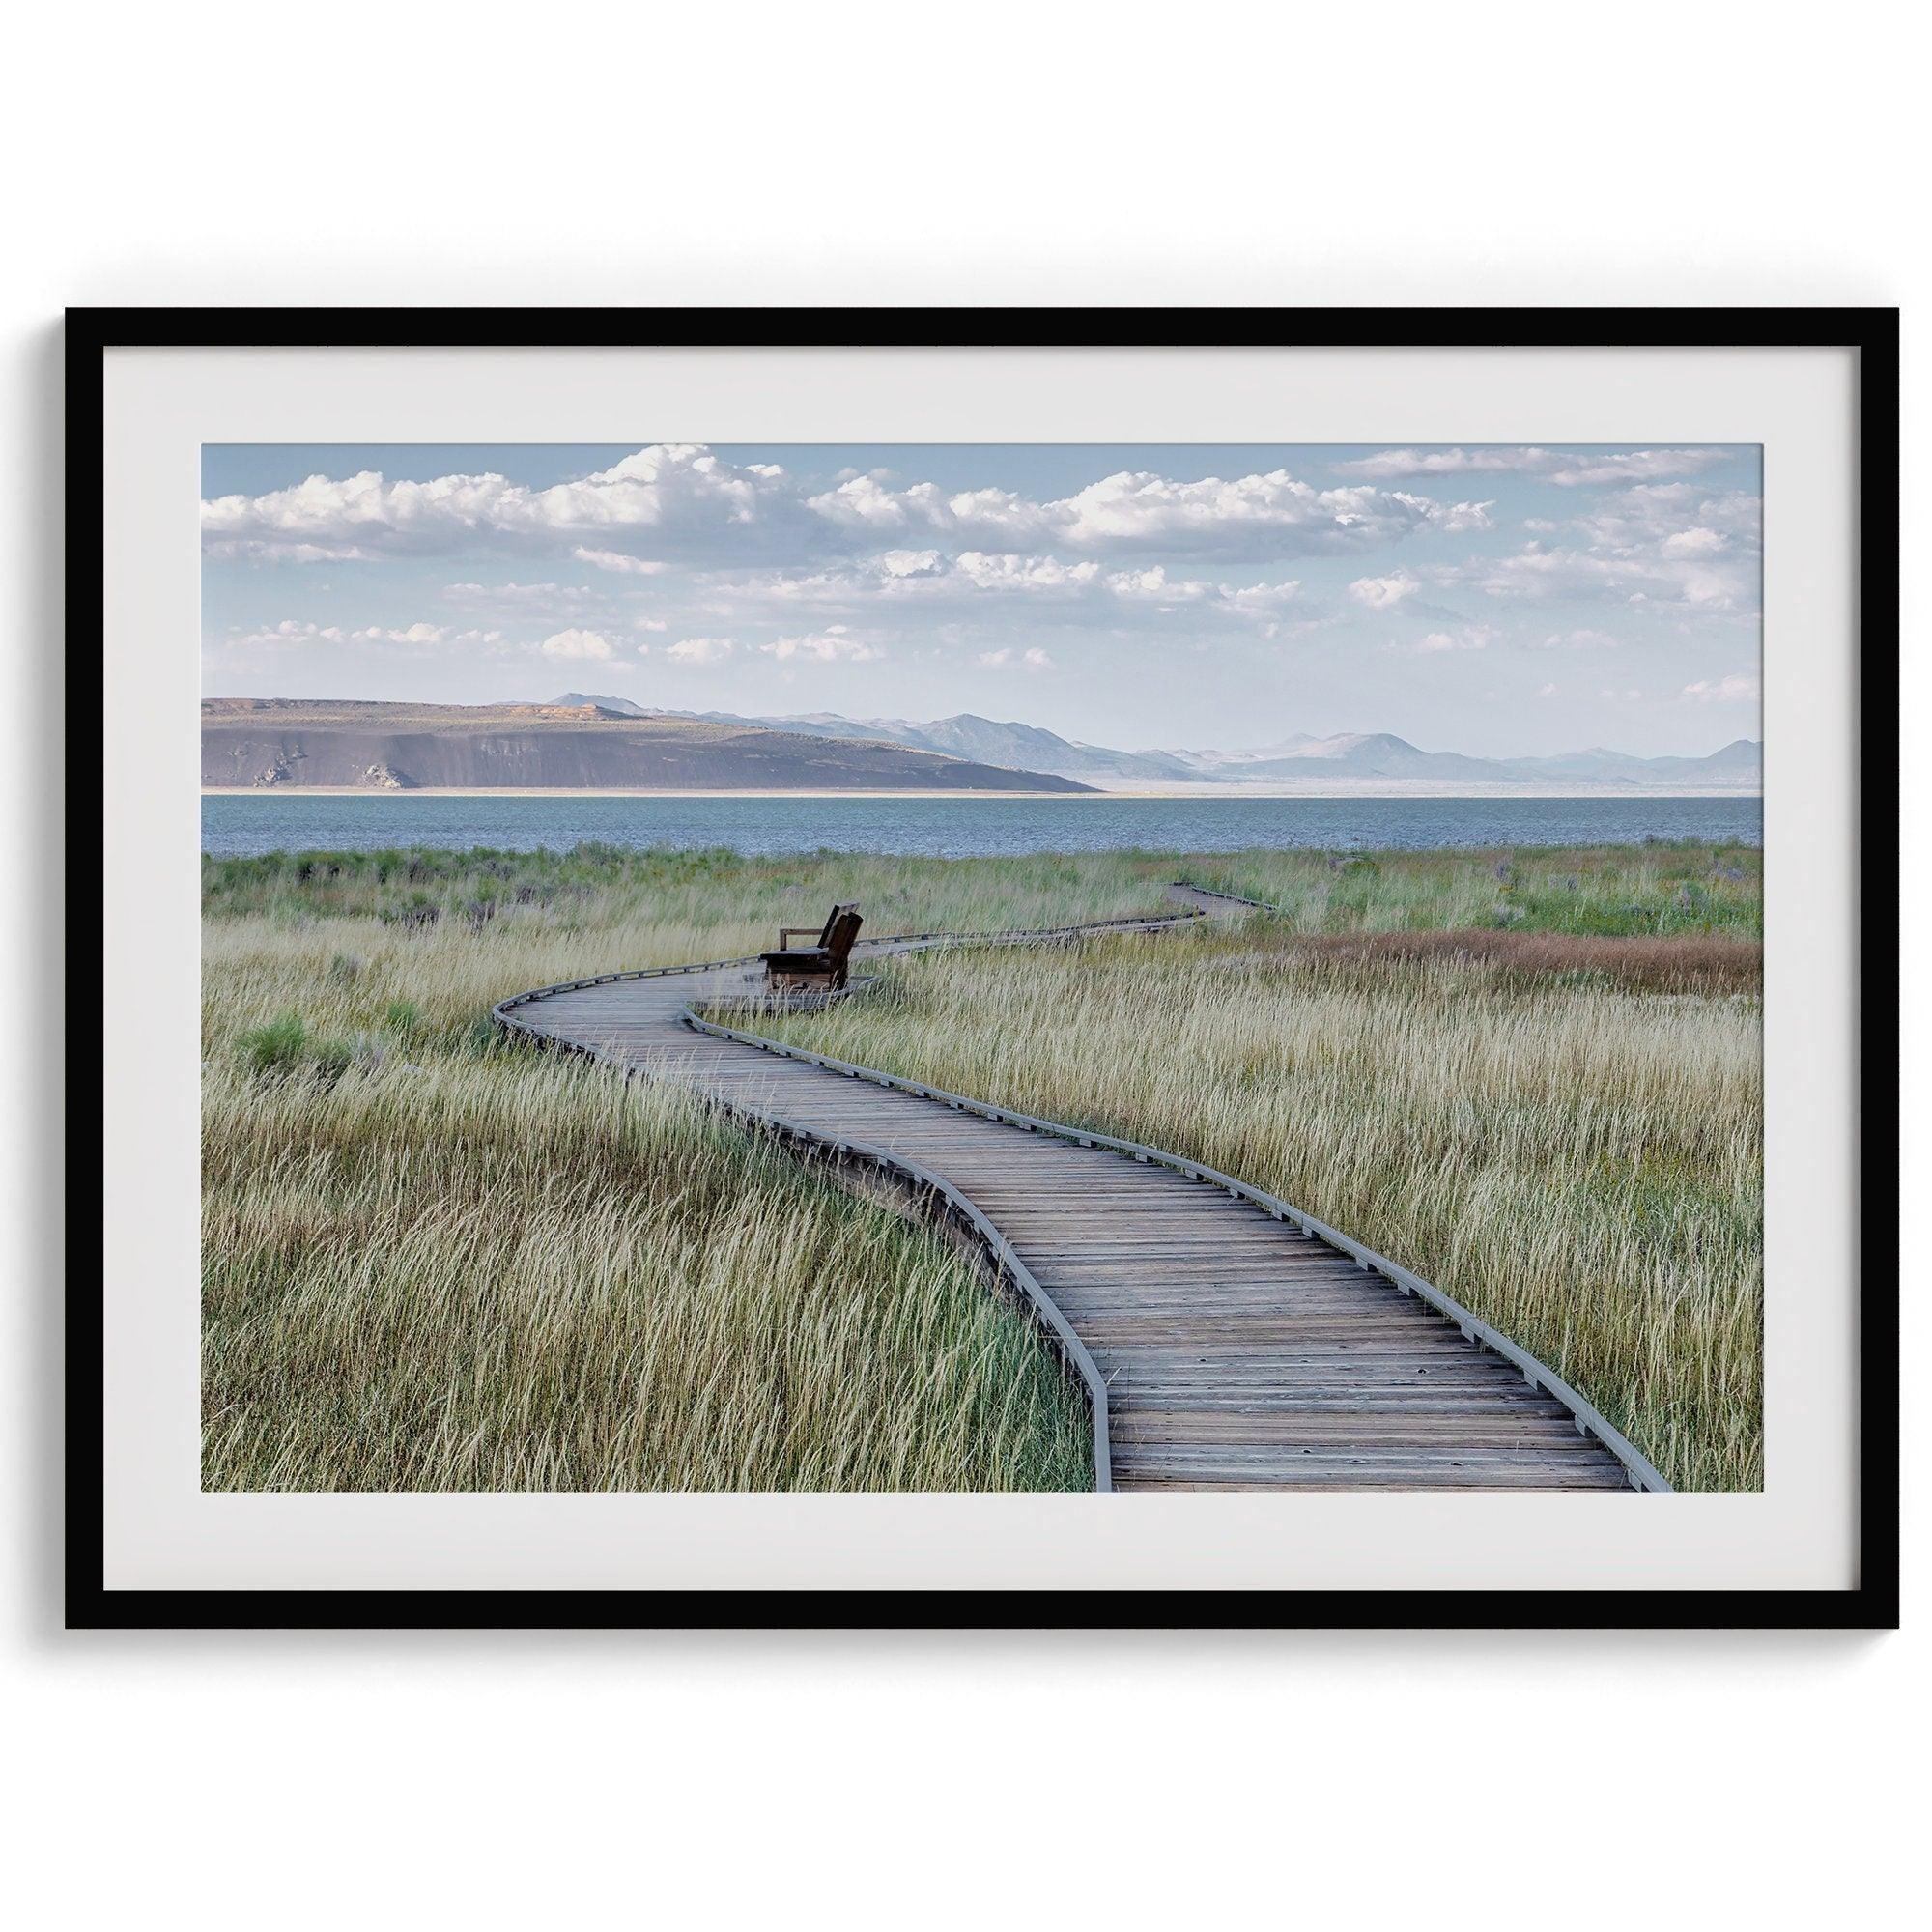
point(1639, 965)
point(1577, 1160)
point(434, 1261)
point(435, 1264)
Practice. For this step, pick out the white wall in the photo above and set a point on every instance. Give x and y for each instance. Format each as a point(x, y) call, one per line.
point(601, 153)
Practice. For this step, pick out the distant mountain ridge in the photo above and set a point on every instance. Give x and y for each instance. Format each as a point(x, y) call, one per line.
point(587, 745)
point(1365, 756)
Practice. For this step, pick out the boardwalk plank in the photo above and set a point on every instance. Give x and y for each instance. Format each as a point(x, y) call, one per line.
point(1238, 1352)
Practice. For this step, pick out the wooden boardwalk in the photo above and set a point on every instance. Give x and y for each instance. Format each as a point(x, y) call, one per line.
point(1227, 1340)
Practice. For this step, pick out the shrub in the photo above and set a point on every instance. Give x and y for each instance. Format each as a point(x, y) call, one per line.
point(286, 1046)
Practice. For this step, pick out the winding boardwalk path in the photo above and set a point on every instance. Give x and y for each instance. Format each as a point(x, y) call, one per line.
point(1227, 1340)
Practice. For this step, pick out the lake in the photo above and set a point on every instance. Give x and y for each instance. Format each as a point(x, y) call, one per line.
point(958, 827)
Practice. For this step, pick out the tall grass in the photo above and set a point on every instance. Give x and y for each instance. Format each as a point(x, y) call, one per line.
point(1677, 888)
point(434, 1261)
point(1576, 1159)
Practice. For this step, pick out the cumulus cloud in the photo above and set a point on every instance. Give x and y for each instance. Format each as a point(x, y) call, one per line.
point(1384, 593)
point(1272, 514)
point(1580, 640)
point(822, 646)
point(770, 572)
point(298, 631)
point(1401, 590)
point(680, 502)
point(613, 560)
point(561, 604)
point(1679, 520)
point(673, 498)
point(1738, 686)
point(1567, 468)
point(983, 583)
point(273, 549)
point(577, 644)
point(1639, 572)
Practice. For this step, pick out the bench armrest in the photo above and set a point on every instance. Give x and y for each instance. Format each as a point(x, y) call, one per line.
point(785, 932)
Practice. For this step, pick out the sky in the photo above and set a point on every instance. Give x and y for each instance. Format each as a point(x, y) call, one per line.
point(1495, 600)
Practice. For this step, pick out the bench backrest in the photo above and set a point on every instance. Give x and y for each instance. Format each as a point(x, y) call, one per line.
point(841, 930)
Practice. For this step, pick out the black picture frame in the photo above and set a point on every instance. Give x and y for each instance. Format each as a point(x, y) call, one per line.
point(1873, 334)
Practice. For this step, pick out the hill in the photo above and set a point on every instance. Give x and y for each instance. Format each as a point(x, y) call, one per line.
point(1378, 758)
point(262, 743)
point(622, 707)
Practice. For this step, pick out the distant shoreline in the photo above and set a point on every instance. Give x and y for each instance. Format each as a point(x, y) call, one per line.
point(604, 791)
point(1367, 788)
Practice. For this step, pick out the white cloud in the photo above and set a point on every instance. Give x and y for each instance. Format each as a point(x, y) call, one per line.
point(1580, 640)
point(1031, 659)
point(612, 559)
point(1260, 516)
point(1602, 569)
point(1566, 468)
point(700, 650)
point(1738, 686)
point(822, 646)
point(556, 603)
point(577, 644)
point(1695, 543)
point(671, 497)
point(514, 593)
point(1679, 519)
point(1546, 691)
point(296, 631)
point(1005, 572)
point(1454, 519)
point(680, 500)
point(268, 550)
point(1383, 593)
point(977, 585)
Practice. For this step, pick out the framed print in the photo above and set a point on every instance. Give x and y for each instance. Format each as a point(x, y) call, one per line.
point(988, 966)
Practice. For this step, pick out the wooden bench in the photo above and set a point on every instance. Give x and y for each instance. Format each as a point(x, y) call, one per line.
point(821, 965)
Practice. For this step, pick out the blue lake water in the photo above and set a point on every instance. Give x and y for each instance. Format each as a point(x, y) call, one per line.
point(957, 828)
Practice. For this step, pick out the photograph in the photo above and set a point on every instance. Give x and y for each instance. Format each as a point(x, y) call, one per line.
point(997, 911)
point(944, 967)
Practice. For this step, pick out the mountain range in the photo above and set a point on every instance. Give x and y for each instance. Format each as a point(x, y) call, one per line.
point(258, 743)
point(1300, 758)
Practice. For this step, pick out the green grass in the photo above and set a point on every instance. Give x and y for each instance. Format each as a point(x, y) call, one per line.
point(1573, 1154)
point(436, 1261)
point(520, 1274)
point(1670, 889)
point(1659, 890)
point(433, 1259)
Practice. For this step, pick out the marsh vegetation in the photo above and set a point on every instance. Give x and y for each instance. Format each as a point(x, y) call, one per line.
point(436, 1261)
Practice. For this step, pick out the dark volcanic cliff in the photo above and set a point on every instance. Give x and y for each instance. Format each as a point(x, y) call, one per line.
point(266, 742)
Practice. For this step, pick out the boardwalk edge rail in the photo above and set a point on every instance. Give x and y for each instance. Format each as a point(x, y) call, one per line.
point(959, 1205)
point(1644, 1475)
